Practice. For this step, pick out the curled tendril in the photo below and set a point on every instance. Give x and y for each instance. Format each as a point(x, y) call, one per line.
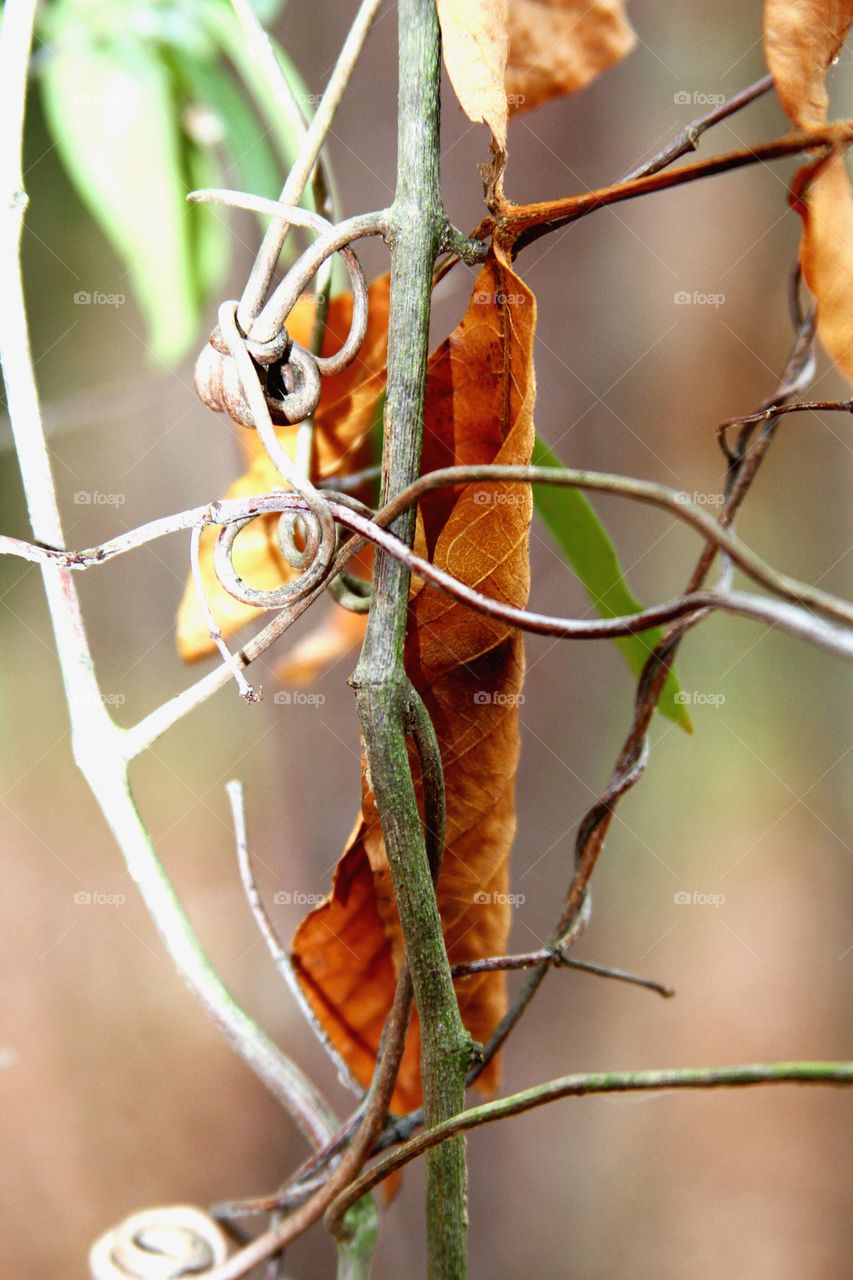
point(331, 239)
point(317, 522)
point(251, 375)
point(159, 1244)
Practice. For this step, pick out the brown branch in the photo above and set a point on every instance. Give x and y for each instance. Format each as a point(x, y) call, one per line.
point(519, 225)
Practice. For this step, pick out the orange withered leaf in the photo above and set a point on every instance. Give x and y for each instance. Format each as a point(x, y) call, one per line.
point(800, 40)
point(557, 47)
point(504, 56)
point(469, 671)
point(343, 421)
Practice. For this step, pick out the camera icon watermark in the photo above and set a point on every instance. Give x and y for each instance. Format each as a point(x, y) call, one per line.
point(696, 98)
point(95, 898)
point(683, 298)
point(287, 897)
point(95, 498)
point(483, 698)
point(693, 898)
point(499, 498)
point(700, 499)
point(699, 698)
point(298, 698)
point(484, 898)
point(85, 298)
point(488, 299)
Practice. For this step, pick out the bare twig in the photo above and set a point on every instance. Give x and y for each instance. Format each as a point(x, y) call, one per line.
point(763, 1073)
point(689, 137)
point(530, 959)
point(321, 122)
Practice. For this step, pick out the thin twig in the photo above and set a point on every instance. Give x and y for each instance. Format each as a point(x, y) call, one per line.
point(321, 122)
point(820, 1073)
point(529, 959)
point(688, 139)
point(281, 958)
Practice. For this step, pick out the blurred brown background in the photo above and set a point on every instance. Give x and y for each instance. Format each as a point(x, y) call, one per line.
point(116, 1092)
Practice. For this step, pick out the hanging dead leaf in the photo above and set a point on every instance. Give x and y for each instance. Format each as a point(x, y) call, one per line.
point(505, 56)
point(343, 421)
point(469, 670)
point(824, 200)
point(557, 47)
point(474, 43)
point(801, 38)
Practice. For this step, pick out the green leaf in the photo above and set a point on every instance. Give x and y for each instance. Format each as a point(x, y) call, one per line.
point(251, 162)
point(111, 111)
point(587, 546)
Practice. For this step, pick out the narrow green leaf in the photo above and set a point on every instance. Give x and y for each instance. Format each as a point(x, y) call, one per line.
point(587, 546)
point(249, 161)
point(111, 111)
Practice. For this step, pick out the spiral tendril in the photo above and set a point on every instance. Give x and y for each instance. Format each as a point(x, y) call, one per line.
point(163, 1243)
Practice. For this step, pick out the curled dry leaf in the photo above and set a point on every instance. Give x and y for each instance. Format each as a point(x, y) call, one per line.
point(474, 43)
point(504, 56)
point(343, 422)
point(469, 669)
point(801, 38)
point(557, 47)
point(824, 200)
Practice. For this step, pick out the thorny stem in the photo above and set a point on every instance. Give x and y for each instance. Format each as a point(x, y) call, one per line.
point(417, 231)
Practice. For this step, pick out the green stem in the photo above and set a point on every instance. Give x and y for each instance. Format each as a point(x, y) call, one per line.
point(418, 227)
point(836, 1073)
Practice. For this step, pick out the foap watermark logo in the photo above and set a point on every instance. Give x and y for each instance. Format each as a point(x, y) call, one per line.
point(700, 499)
point(699, 698)
point(696, 298)
point(697, 98)
point(96, 898)
point(288, 897)
point(298, 698)
point(85, 298)
point(485, 898)
point(695, 898)
point(500, 497)
point(483, 698)
point(97, 498)
point(486, 298)
point(516, 101)
point(113, 699)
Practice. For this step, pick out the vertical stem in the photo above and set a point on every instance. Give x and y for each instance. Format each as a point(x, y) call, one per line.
point(417, 224)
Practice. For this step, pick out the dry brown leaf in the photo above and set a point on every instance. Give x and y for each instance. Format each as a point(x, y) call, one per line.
point(801, 38)
point(824, 200)
point(469, 670)
point(557, 47)
point(505, 56)
point(474, 43)
point(343, 421)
